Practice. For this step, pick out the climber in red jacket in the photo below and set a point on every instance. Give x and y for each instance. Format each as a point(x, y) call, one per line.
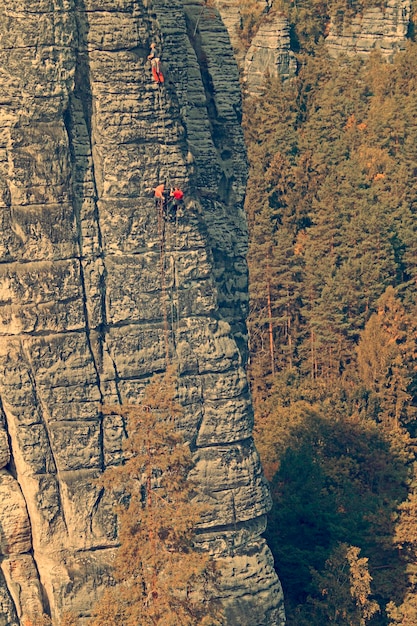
point(155, 60)
point(175, 200)
point(177, 194)
point(168, 205)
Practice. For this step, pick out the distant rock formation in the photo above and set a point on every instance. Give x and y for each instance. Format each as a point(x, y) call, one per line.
point(89, 308)
point(269, 54)
point(231, 12)
point(384, 29)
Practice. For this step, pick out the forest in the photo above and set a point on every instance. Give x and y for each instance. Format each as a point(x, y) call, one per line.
point(331, 205)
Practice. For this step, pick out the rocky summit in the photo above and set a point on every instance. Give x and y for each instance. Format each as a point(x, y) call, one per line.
point(98, 291)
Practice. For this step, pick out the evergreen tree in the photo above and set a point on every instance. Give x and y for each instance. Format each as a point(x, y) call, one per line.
point(38, 620)
point(386, 361)
point(160, 577)
point(332, 199)
point(345, 589)
point(404, 612)
point(263, 315)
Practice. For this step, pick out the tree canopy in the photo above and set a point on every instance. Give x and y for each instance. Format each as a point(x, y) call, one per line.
point(331, 207)
point(160, 577)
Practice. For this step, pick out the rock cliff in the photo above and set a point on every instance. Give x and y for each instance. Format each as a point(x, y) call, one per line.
point(233, 15)
point(96, 295)
point(378, 28)
point(269, 54)
point(384, 29)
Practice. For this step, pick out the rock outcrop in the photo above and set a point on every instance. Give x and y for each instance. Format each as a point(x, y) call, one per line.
point(269, 54)
point(384, 29)
point(89, 308)
point(232, 13)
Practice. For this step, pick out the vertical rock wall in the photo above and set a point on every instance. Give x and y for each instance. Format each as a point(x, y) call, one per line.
point(88, 310)
point(231, 13)
point(269, 54)
point(384, 29)
point(378, 28)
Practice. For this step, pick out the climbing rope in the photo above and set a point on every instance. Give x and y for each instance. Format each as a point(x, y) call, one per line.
point(150, 506)
point(164, 244)
point(175, 306)
point(161, 234)
point(200, 15)
point(162, 118)
point(198, 19)
point(162, 237)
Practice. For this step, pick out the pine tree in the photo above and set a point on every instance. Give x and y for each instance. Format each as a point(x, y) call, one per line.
point(160, 577)
point(263, 270)
point(386, 361)
point(68, 619)
point(38, 620)
point(287, 297)
point(405, 538)
point(345, 589)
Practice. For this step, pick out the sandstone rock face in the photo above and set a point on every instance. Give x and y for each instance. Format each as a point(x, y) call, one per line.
point(96, 293)
point(269, 54)
point(382, 29)
point(231, 13)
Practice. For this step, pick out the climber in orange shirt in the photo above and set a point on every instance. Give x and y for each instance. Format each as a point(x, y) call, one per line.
point(160, 191)
point(160, 196)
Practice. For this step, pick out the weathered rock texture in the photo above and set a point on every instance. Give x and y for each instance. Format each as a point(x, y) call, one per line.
point(269, 54)
point(231, 13)
point(382, 29)
point(86, 311)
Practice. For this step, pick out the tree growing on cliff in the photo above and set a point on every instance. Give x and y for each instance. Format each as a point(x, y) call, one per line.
point(159, 575)
point(67, 619)
point(38, 620)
